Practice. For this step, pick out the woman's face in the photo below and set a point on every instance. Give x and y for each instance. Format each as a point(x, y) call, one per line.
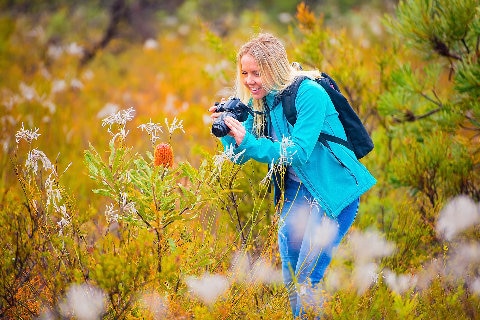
point(251, 77)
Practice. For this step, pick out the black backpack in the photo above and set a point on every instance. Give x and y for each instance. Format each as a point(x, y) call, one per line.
point(358, 139)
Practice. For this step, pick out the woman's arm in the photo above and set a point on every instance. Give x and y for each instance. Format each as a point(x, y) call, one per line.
point(297, 146)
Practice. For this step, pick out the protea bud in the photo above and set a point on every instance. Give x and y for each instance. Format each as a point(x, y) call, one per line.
point(163, 155)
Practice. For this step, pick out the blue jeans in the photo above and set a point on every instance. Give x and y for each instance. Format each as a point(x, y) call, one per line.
point(306, 239)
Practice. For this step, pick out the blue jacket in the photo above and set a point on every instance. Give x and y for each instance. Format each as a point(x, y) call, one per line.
point(335, 180)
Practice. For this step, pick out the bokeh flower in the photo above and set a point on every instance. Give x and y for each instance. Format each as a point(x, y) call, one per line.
point(84, 302)
point(458, 215)
point(208, 287)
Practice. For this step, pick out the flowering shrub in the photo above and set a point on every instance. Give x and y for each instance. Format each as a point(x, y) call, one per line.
point(119, 236)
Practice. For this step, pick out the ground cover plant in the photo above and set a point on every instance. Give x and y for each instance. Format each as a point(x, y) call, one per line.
point(116, 202)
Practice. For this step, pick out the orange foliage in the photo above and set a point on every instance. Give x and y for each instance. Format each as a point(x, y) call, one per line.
point(305, 17)
point(28, 294)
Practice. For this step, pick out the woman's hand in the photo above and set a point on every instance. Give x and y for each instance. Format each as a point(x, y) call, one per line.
point(214, 114)
point(237, 131)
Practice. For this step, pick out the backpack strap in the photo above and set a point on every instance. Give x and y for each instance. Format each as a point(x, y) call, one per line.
point(287, 97)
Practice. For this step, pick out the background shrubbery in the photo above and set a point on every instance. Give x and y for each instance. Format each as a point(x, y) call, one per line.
point(91, 228)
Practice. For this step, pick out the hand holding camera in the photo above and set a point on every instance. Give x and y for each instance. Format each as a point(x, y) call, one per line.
point(232, 107)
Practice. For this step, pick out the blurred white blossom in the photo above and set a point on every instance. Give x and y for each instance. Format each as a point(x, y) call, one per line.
point(107, 110)
point(369, 245)
point(208, 288)
point(399, 283)
point(365, 247)
point(74, 49)
point(150, 44)
point(58, 86)
point(475, 286)
point(245, 269)
point(76, 84)
point(459, 214)
point(83, 302)
point(325, 233)
point(285, 17)
point(156, 304)
point(464, 259)
point(28, 93)
point(54, 51)
point(264, 272)
point(364, 275)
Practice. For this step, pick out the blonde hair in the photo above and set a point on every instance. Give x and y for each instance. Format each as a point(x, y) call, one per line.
point(276, 71)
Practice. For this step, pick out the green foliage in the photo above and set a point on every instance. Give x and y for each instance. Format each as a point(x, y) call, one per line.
point(443, 27)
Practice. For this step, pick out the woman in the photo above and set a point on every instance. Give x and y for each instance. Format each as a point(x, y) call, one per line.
point(321, 187)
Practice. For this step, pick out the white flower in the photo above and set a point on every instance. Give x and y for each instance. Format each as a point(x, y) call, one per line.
point(111, 214)
point(370, 245)
point(66, 219)
point(76, 84)
point(174, 125)
point(108, 109)
point(58, 86)
point(399, 283)
point(475, 286)
point(127, 206)
point(54, 52)
point(84, 302)
point(364, 275)
point(269, 175)
point(464, 259)
point(74, 49)
point(53, 194)
point(27, 135)
point(325, 233)
point(29, 93)
point(121, 117)
point(228, 154)
point(208, 287)
point(264, 272)
point(152, 129)
point(150, 44)
point(285, 157)
point(155, 303)
point(32, 161)
point(458, 215)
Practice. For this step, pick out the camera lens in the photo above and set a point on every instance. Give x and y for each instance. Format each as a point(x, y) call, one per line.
point(219, 128)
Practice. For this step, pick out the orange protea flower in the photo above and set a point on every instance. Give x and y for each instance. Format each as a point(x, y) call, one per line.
point(163, 155)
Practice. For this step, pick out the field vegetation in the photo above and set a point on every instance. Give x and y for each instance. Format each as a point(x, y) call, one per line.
point(116, 201)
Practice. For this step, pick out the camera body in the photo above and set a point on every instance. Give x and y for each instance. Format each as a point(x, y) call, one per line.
point(232, 107)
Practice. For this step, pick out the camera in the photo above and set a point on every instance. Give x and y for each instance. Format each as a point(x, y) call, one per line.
point(234, 108)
